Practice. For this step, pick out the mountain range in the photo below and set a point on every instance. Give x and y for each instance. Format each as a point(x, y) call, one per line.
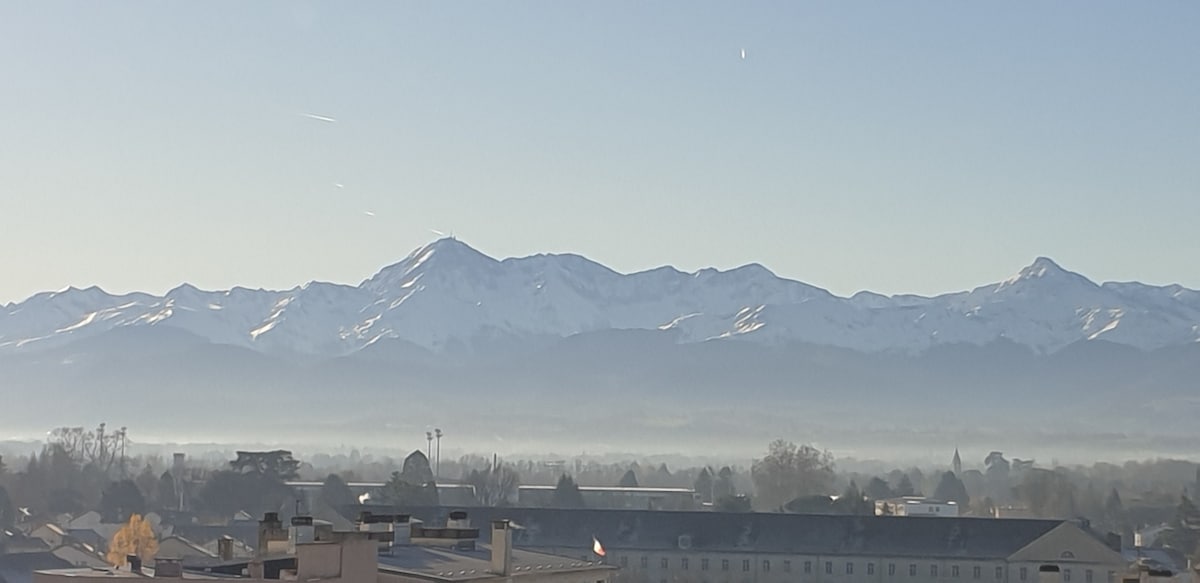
point(559, 353)
point(446, 297)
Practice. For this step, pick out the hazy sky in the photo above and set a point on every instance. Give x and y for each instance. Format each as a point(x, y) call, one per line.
point(893, 146)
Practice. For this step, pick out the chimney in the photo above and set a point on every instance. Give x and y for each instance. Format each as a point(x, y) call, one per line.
point(225, 547)
point(272, 537)
point(402, 530)
point(135, 563)
point(501, 548)
point(303, 530)
point(168, 568)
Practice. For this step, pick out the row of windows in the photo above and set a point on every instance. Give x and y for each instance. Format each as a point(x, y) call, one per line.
point(976, 571)
point(1066, 575)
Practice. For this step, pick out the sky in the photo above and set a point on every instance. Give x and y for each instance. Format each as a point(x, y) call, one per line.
point(899, 147)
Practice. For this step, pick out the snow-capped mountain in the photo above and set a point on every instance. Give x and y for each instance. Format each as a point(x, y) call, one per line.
point(446, 296)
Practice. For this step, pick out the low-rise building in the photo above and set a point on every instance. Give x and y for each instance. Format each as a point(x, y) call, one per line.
point(384, 549)
point(715, 547)
point(915, 506)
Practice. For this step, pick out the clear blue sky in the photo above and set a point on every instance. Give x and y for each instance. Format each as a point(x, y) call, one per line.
point(893, 146)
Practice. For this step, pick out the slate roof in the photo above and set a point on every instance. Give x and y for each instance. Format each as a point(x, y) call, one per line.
point(19, 567)
point(801, 534)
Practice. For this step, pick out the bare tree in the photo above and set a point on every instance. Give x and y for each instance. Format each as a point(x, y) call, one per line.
point(494, 485)
point(99, 447)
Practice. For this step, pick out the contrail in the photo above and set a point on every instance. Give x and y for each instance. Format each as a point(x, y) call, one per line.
point(319, 117)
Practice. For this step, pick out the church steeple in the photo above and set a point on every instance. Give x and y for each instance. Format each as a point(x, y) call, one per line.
point(957, 463)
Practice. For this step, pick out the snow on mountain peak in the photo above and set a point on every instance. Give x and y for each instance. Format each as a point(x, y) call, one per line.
point(447, 294)
point(1045, 272)
point(1042, 267)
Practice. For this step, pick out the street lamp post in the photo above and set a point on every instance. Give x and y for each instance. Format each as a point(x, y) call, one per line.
point(429, 446)
point(437, 468)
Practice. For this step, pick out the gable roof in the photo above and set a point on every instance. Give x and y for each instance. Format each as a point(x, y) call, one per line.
point(178, 547)
point(803, 534)
point(52, 527)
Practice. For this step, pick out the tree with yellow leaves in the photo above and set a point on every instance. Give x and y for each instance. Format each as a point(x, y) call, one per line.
point(135, 538)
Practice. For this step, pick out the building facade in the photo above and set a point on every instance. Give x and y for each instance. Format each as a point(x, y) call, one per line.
point(708, 547)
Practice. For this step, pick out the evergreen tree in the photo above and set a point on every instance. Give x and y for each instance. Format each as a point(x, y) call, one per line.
point(165, 494)
point(8, 512)
point(628, 480)
point(951, 489)
point(147, 484)
point(724, 484)
point(1114, 510)
point(566, 494)
point(400, 491)
point(120, 500)
point(852, 501)
point(335, 493)
point(878, 489)
point(704, 485)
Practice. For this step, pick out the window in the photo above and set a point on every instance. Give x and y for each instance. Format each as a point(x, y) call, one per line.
point(683, 563)
point(624, 562)
point(766, 566)
point(976, 572)
point(999, 572)
point(1087, 576)
point(703, 564)
point(933, 571)
point(891, 569)
point(954, 571)
point(645, 562)
point(1066, 574)
point(870, 568)
point(745, 564)
point(849, 568)
point(912, 569)
point(787, 568)
point(808, 566)
point(665, 563)
point(1024, 573)
point(724, 564)
point(828, 567)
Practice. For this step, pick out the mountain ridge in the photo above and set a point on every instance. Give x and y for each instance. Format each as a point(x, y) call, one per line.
point(447, 296)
